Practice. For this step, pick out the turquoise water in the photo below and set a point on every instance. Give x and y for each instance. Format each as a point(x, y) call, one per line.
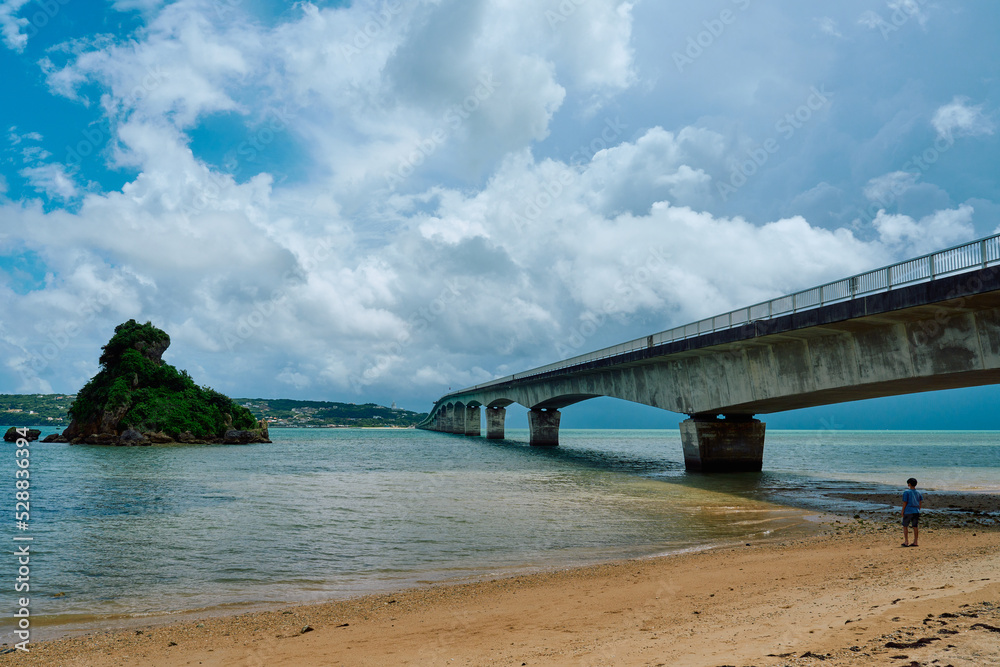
point(325, 513)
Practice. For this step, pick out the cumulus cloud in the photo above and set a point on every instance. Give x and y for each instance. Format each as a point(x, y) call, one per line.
point(960, 119)
point(933, 232)
point(447, 89)
point(427, 238)
point(578, 28)
point(507, 271)
point(178, 71)
point(657, 167)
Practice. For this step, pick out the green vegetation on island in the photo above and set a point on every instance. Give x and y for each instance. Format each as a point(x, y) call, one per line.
point(36, 409)
point(136, 398)
point(285, 412)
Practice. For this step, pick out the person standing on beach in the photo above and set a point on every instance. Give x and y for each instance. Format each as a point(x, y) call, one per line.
point(912, 499)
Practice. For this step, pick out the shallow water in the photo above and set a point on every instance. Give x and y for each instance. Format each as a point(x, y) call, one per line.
point(324, 513)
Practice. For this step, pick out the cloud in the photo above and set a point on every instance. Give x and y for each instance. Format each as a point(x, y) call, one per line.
point(933, 232)
point(11, 25)
point(828, 26)
point(384, 198)
point(888, 187)
point(137, 5)
point(592, 42)
point(959, 119)
point(51, 179)
point(537, 211)
point(656, 167)
point(178, 70)
point(909, 8)
point(290, 377)
point(240, 270)
point(444, 90)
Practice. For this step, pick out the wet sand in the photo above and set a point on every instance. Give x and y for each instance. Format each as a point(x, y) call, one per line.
point(851, 596)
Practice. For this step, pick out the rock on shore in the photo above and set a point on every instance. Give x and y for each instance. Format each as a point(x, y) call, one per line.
point(12, 435)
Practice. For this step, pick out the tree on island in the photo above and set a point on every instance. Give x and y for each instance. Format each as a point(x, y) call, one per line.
point(136, 399)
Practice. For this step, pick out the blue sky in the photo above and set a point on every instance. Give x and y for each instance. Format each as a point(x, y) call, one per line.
point(379, 200)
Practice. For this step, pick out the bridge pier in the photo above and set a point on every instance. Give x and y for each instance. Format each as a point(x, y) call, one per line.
point(473, 421)
point(495, 418)
point(544, 426)
point(735, 444)
point(458, 419)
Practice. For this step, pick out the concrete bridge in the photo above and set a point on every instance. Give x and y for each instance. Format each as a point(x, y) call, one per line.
point(925, 324)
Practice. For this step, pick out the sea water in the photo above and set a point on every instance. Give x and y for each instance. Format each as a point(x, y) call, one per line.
point(327, 513)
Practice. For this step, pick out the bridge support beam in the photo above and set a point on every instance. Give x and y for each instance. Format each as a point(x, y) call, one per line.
point(473, 421)
point(544, 427)
point(495, 418)
point(735, 444)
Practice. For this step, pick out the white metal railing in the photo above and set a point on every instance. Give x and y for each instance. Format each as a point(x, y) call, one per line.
point(965, 257)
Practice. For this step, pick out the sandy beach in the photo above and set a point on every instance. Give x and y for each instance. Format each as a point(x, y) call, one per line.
point(849, 596)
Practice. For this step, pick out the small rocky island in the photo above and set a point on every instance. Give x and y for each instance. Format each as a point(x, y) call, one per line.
point(137, 399)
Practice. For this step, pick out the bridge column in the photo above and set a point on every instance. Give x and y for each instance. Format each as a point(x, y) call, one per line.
point(473, 422)
point(544, 427)
point(735, 444)
point(458, 419)
point(494, 423)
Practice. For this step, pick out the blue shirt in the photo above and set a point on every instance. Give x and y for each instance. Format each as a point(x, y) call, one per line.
point(911, 501)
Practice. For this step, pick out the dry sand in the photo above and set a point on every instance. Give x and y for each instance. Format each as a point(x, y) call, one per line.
point(852, 596)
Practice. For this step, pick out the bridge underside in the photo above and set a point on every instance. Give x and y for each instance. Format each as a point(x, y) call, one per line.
point(942, 345)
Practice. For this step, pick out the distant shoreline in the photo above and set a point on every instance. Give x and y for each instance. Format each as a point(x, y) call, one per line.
point(51, 410)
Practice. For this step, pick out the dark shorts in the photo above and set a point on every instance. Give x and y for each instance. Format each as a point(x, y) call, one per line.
point(911, 519)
